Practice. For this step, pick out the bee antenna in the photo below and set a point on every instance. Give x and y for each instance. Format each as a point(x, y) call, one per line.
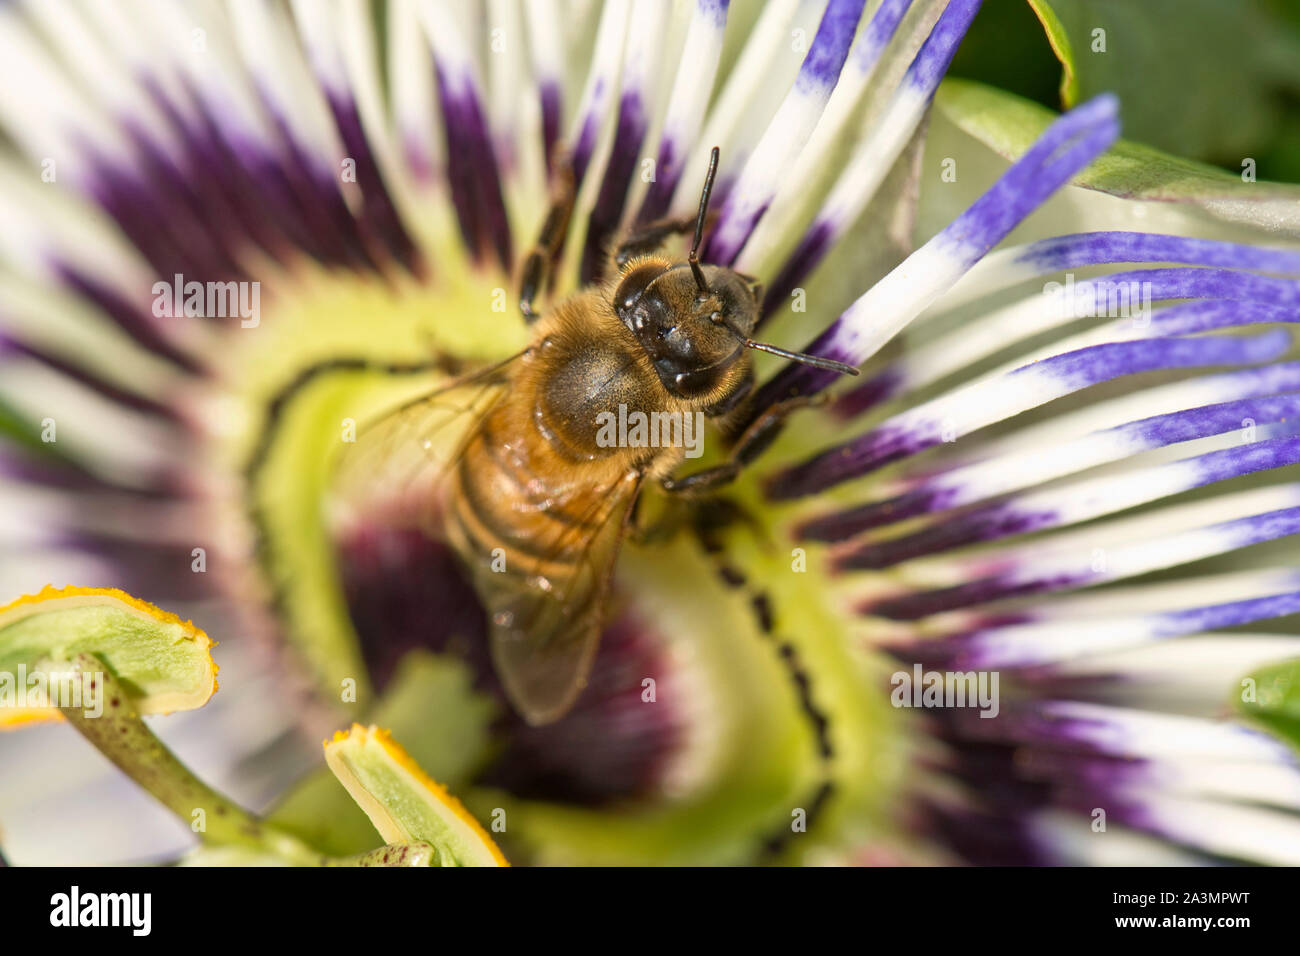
point(816, 361)
point(694, 257)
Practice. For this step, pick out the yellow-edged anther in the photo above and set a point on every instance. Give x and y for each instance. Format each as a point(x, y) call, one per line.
point(165, 660)
point(382, 776)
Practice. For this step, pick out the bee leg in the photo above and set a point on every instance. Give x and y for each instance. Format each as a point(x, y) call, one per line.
point(664, 528)
point(702, 482)
point(651, 237)
point(549, 241)
point(753, 441)
point(659, 528)
point(712, 517)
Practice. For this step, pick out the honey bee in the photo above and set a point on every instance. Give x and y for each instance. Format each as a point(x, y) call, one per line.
point(531, 501)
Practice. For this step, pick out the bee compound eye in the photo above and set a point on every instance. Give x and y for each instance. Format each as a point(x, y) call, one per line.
point(633, 286)
point(691, 381)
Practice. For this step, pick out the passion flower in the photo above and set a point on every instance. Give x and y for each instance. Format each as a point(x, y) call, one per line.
point(972, 607)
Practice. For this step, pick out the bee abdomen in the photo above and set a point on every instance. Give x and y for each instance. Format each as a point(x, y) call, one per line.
point(505, 510)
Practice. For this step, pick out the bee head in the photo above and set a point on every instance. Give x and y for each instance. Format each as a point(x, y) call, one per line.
point(692, 336)
point(693, 320)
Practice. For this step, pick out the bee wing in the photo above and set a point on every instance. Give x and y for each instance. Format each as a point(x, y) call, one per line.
point(545, 618)
point(400, 456)
point(544, 613)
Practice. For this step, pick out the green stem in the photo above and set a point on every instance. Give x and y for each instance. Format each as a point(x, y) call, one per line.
point(120, 735)
point(417, 853)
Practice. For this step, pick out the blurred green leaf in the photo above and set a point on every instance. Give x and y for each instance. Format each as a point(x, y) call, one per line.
point(1009, 125)
point(1271, 696)
point(18, 429)
point(1199, 78)
point(1005, 47)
